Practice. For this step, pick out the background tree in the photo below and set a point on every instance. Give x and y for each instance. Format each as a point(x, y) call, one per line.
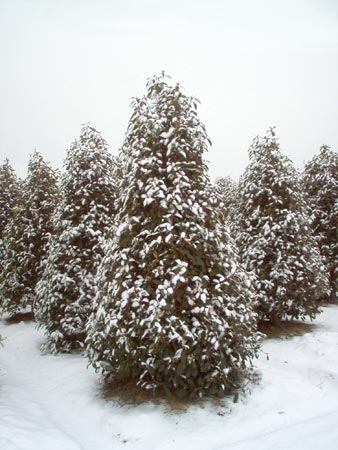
point(86, 211)
point(27, 235)
point(226, 190)
point(320, 180)
point(275, 239)
point(9, 189)
point(173, 307)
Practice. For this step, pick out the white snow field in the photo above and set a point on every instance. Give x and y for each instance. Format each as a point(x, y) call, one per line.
point(54, 402)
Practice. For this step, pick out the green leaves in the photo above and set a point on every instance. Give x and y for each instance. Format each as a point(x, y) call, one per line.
point(27, 234)
point(174, 261)
point(275, 238)
point(82, 220)
point(320, 181)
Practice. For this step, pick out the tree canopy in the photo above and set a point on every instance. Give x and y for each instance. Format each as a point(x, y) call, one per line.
point(173, 308)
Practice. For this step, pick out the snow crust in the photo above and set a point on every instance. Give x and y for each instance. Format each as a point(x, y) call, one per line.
point(54, 402)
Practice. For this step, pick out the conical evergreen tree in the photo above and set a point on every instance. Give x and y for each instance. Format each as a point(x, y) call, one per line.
point(275, 239)
point(66, 289)
point(226, 190)
point(27, 235)
point(9, 189)
point(173, 307)
point(320, 180)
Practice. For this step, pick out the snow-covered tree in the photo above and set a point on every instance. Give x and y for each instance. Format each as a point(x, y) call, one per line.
point(173, 305)
point(65, 291)
point(9, 189)
point(226, 190)
point(276, 239)
point(27, 235)
point(320, 180)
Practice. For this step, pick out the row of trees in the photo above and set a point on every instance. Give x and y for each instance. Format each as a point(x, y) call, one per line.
point(273, 206)
point(158, 274)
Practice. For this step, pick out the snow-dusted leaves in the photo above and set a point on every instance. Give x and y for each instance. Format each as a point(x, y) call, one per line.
point(320, 180)
point(275, 236)
point(85, 213)
point(173, 308)
point(9, 189)
point(27, 235)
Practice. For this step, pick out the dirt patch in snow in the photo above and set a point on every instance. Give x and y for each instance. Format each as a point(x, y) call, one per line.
point(285, 329)
point(19, 317)
point(127, 393)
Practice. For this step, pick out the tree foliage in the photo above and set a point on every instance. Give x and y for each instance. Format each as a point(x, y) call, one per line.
point(320, 180)
point(9, 189)
point(27, 235)
point(226, 190)
point(173, 305)
point(85, 213)
point(275, 238)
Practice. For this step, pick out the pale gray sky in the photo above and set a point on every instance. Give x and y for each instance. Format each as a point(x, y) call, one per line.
point(252, 64)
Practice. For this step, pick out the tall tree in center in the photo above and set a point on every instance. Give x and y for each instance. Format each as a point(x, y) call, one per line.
point(173, 307)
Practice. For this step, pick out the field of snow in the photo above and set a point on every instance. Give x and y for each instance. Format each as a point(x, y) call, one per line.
point(56, 403)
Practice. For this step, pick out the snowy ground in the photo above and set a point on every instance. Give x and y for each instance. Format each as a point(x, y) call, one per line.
point(54, 402)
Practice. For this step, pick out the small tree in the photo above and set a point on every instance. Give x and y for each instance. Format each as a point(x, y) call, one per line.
point(9, 189)
point(86, 210)
point(275, 239)
point(226, 190)
point(173, 307)
point(27, 235)
point(320, 180)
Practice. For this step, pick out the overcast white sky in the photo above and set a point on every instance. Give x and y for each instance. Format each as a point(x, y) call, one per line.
point(252, 64)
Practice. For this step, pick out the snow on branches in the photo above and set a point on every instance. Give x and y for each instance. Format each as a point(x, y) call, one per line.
point(173, 308)
point(320, 180)
point(275, 236)
point(85, 213)
point(27, 235)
